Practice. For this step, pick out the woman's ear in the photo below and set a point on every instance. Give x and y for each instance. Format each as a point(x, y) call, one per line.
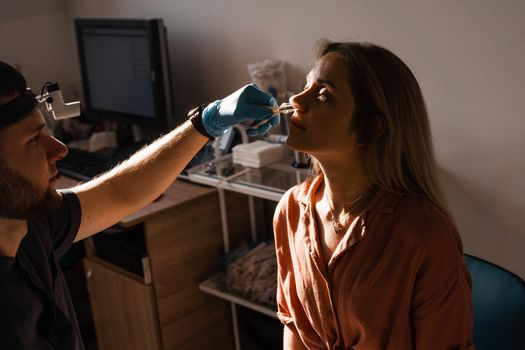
point(360, 140)
point(379, 127)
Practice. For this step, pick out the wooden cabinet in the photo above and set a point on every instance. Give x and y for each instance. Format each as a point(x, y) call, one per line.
point(124, 308)
point(164, 308)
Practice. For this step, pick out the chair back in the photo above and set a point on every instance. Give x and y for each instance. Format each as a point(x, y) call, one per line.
point(498, 299)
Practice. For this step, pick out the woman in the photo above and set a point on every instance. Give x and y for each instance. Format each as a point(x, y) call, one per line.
point(368, 257)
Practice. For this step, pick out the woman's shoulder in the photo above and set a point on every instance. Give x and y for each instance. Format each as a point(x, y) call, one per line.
point(421, 211)
point(426, 224)
point(300, 193)
point(295, 201)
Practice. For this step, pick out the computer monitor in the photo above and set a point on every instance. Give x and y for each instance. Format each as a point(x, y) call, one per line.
point(125, 71)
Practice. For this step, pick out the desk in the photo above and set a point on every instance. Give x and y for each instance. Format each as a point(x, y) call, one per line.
point(163, 309)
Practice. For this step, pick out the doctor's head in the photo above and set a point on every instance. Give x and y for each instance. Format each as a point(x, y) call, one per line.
point(27, 152)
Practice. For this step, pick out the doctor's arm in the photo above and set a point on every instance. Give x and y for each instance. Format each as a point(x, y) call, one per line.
point(142, 178)
point(137, 181)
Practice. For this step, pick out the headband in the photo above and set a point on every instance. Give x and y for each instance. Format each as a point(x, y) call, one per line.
point(17, 109)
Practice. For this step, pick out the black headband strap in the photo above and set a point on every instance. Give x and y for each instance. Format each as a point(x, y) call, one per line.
point(17, 109)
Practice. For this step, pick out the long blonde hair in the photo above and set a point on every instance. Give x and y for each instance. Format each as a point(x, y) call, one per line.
point(401, 159)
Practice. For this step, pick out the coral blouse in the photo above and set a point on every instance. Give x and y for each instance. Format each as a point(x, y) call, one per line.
point(397, 280)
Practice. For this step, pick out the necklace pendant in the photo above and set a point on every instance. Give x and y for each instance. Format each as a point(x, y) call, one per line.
point(337, 227)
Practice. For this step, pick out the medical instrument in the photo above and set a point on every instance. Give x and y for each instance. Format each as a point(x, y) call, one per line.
point(52, 96)
point(284, 109)
point(22, 105)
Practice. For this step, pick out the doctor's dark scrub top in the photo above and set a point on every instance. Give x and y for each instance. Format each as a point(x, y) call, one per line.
point(36, 311)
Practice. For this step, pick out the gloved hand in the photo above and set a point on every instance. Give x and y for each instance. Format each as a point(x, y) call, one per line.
point(247, 103)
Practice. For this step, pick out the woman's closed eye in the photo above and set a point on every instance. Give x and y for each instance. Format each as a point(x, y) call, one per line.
point(322, 95)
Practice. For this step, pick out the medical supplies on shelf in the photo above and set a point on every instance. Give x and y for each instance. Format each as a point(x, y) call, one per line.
point(258, 153)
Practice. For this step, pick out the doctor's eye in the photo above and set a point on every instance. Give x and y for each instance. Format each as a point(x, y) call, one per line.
point(35, 140)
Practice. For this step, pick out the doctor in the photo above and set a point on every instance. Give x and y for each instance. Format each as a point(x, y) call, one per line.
point(38, 224)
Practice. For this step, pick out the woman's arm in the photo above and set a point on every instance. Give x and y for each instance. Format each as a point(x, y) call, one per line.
point(441, 309)
point(291, 340)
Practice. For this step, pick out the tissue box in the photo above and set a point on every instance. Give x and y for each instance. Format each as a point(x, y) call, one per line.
point(258, 153)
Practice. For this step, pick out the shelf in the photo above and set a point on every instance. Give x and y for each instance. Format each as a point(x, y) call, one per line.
point(269, 182)
point(215, 287)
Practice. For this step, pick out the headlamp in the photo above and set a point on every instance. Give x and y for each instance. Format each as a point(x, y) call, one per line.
point(21, 106)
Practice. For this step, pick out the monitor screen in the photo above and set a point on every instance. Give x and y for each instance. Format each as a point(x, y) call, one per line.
point(125, 71)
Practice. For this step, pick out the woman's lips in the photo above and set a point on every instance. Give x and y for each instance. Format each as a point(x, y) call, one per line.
point(293, 122)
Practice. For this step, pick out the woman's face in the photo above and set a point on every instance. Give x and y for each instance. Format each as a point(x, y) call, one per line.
point(321, 124)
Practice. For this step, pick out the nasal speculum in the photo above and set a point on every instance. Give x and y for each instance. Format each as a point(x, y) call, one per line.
point(285, 109)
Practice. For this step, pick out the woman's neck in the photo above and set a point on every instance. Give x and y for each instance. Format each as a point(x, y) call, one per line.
point(344, 185)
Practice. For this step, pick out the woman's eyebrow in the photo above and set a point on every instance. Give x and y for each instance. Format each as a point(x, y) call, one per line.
point(327, 82)
point(310, 77)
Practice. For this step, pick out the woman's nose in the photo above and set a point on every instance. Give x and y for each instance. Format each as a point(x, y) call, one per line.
point(298, 101)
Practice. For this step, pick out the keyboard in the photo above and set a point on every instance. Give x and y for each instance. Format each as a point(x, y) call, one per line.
point(83, 165)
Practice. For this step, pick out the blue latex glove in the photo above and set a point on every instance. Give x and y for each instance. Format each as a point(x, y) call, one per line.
point(247, 103)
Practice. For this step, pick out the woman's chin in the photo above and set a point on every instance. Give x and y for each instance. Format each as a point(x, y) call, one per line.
point(299, 144)
point(292, 144)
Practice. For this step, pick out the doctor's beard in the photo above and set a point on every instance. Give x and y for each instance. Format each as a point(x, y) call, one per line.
point(23, 200)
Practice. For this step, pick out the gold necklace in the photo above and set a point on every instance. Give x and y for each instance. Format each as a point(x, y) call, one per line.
point(336, 225)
